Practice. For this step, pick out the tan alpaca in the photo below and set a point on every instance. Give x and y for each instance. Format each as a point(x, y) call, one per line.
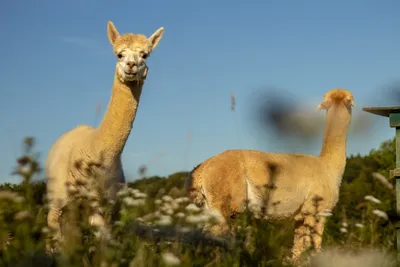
point(103, 145)
point(298, 180)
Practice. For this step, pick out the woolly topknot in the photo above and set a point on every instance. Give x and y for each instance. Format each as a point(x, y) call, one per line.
point(337, 95)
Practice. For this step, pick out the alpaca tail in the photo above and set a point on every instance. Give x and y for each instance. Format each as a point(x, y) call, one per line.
point(194, 188)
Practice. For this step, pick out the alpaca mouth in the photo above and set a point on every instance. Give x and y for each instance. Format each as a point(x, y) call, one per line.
point(131, 74)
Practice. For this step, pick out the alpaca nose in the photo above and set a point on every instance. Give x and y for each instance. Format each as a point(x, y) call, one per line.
point(131, 63)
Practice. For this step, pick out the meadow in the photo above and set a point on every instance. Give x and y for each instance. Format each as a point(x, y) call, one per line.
point(156, 225)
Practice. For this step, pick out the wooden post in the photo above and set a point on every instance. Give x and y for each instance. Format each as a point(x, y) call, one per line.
point(394, 118)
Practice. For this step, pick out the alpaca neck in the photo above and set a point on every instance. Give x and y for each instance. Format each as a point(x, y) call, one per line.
point(333, 150)
point(116, 125)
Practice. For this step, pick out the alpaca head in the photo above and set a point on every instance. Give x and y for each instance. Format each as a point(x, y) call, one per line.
point(337, 96)
point(132, 51)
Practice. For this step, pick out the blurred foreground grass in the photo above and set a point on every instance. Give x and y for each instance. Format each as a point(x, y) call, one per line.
point(158, 226)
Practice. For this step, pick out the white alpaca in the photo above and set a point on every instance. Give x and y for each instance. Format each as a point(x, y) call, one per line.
point(100, 148)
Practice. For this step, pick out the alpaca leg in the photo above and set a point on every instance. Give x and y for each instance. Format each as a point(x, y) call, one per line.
point(309, 223)
point(53, 222)
point(216, 228)
point(302, 237)
point(298, 240)
point(317, 233)
point(98, 221)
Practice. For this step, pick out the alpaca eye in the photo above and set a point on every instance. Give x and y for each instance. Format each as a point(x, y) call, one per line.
point(119, 55)
point(144, 56)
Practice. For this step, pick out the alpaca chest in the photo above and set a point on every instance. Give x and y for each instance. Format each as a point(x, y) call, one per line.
point(102, 178)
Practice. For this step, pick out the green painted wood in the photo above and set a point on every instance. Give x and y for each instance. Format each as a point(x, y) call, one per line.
point(398, 242)
point(394, 119)
point(394, 173)
point(382, 111)
point(397, 224)
point(397, 149)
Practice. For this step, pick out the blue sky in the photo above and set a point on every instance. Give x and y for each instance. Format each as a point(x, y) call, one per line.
point(57, 65)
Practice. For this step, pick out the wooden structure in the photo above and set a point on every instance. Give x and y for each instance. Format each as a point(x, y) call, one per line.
point(393, 113)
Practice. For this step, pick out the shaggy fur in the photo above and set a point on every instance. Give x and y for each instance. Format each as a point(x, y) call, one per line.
point(279, 185)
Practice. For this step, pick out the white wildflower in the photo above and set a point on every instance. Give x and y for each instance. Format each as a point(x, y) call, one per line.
point(158, 201)
point(118, 223)
point(380, 214)
point(382, 179)
point(94, 204)
point(184, 229)
point(174, 205)
point(165, 206)
point(359, 225)
point(123, 193)
point(325, 213)
point(167, 198)
point(24, 170)
point(192, 207)
point(19, 199)
point(139, 202)
point(9, 196)
point(93, 249)
point(111, 202)
point(140, 195)
point(372, 199)
point(168, 210)
point(132, 191)
point(343, 230)
point(150, 216)
point(157, 213)
point(180, 215)
point(164, 220)
point(197, 219)
point(344, 224)
point(96, 220)
point(215, 216)
point(22, 215)
point(130, 202)
point(182, 200)
point(170, 259)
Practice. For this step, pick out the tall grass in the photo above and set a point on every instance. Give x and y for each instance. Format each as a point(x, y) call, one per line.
point(167, 231)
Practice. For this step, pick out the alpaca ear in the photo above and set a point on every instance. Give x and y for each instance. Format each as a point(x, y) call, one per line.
point(348, 101)
point(112, 33)
point(324, 105)
point(155, 38)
